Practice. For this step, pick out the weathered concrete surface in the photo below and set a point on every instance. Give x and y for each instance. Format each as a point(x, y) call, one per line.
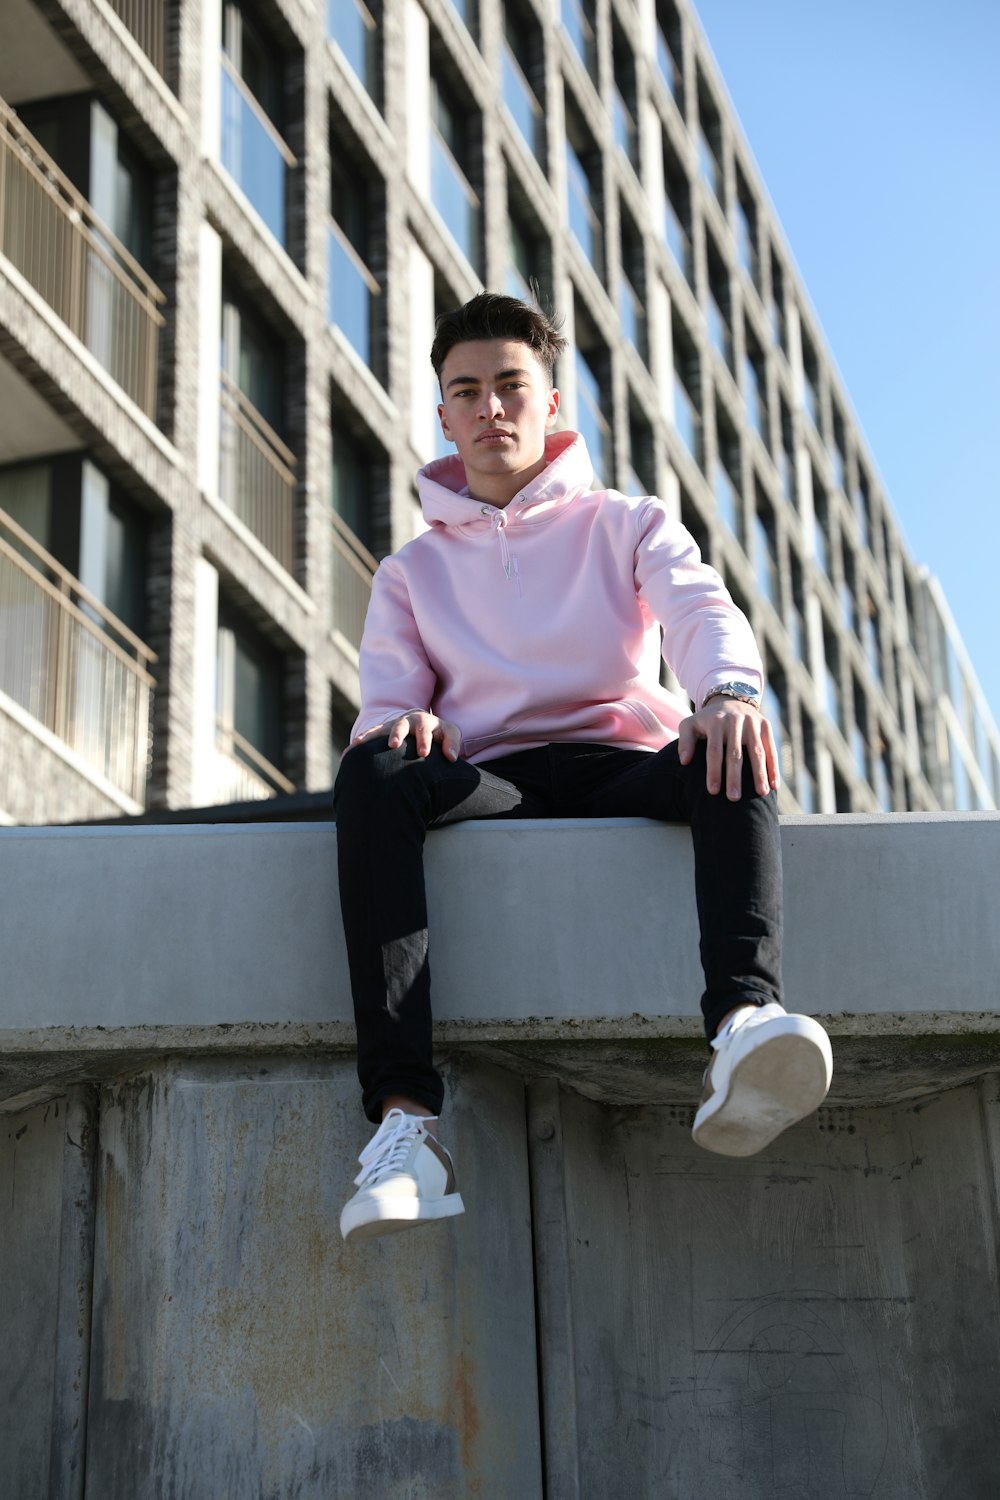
point(240, 1349)
point(223, 939)
point(818, 1321)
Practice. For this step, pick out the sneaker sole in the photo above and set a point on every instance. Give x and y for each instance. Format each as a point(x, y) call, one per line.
point(365, 1223)
point(774, 1086)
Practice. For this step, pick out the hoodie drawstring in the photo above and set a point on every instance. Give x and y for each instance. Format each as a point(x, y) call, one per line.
point(498, 520)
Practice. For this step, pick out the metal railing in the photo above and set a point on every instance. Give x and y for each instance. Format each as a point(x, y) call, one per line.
point(351, 584)
point(256, 473)
point(72, 664)
point(51, 234)
point(242, 773)
point(147, 21)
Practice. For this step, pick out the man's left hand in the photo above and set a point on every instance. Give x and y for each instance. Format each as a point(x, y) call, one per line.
point(731, 729)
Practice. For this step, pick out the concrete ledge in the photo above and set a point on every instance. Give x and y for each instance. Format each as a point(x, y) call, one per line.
point(122, 943)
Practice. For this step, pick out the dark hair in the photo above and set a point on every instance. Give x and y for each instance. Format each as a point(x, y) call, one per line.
point(491, 315)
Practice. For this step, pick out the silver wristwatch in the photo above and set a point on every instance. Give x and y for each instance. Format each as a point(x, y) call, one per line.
point(745, 692)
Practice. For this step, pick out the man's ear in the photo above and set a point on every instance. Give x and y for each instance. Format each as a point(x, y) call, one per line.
point(444, 422)
point(553, 411)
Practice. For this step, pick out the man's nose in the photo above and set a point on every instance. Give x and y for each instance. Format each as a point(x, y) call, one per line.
point(490, 406)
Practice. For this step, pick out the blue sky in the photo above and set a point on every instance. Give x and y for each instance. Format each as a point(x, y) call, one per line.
point(875, 125)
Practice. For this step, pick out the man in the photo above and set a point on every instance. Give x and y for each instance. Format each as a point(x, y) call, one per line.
point(510, 668)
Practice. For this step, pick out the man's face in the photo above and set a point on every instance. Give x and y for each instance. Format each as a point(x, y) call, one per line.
point(496, 407)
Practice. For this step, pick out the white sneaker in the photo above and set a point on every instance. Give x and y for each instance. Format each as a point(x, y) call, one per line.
point(407, 1178)
point(769, 1071)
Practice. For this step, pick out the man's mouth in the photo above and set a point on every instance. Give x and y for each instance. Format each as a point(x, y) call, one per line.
point(494, 437)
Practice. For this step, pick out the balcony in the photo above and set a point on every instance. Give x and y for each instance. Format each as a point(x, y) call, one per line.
point(352, 570)
point(352, 290)
point(253, 152)
point(242, 774)
point(72, 665)
point(256, 473)
point(49, 232)
point(147, 21)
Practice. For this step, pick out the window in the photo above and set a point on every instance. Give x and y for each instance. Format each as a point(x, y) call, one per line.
point(630, 306)
point(859, 733)
point(350, 487)
point(352, 26)
point(786, 457)
point(883, 779)
point(581, 178)
point(249, 706)
point(797, 617)
point(862, 509)
point(641, 476)
point(848, 589)
point(254, 152)
point(623, 99)
point(668, 50)
point(870, 640)
point(810, 382)
point(717, 307)
point(831, 681)
point(451, 190)
point(709, 143)
point(577, 17)
point(746, 230)
point(766, 554)
point(353, 289)
point(519, 48)
point(838, 453)
point(726, 480)
point(807, 785)
point(591, 405)
point(779, 327)
point(676, 211)
point(754, 390)
point(687, 414)
point(822, 539)
point(774, 706)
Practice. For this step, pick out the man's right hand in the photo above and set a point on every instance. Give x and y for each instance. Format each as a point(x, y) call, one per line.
point(425, 729)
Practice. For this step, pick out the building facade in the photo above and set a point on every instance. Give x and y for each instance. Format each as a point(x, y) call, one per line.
point(226, 227)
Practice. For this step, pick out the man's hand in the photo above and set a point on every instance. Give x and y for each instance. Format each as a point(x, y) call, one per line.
point(425, 728)
point(731, 729)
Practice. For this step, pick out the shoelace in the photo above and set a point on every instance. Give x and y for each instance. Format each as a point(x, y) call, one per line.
point(387, 1150)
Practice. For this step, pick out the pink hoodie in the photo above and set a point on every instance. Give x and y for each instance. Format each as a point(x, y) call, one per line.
point(539, 622)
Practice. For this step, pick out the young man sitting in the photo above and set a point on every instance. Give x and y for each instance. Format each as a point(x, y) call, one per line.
point(510, 668)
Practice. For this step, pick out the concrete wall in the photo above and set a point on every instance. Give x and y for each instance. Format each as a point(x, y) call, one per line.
point(618, 1312)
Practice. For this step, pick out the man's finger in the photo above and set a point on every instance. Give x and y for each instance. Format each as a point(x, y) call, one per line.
point(734, 760)
point(687, 734)
point(398, 732)
point(451, 740)
point(714, 754)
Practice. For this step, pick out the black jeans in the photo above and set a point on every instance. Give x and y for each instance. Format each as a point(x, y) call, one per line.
point(387, 799)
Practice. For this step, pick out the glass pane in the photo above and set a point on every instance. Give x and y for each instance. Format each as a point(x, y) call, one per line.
point(349, 489)
point(718, 328)
point(577, 28)
point(685, 417)
point(744, 241)
point(728, 499)
point(352, 27)
point(26, 496)
point(591, 421)
point(251, 156)
point(520, 100)
point(676, 237)
point(581, 213)
point(707, 164)
point(630, 309)
point(350, 296)
point(453, 198)
point(767, 565)
point(751, 392)
point(625, 132)
point(665, 63)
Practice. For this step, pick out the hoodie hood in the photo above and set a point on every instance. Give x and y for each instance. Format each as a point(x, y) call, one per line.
point(568, 473)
